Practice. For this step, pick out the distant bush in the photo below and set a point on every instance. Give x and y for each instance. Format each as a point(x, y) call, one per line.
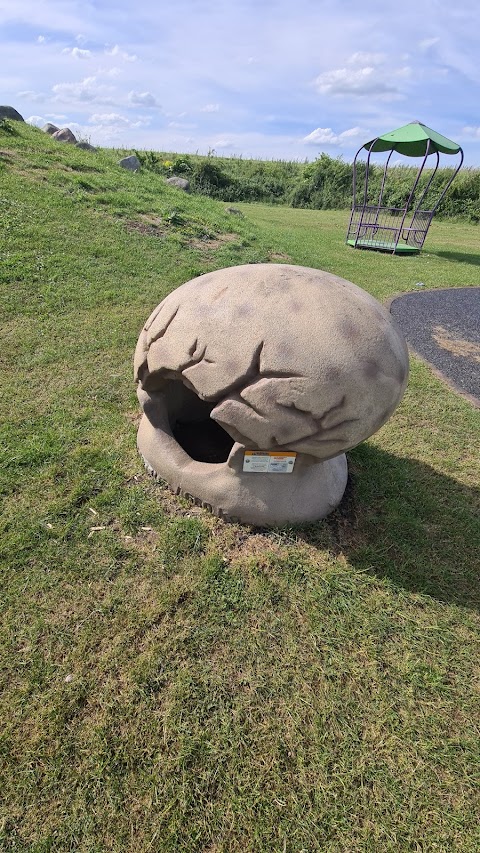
point(463, 197)
point(325, 184)
point(208, 178)
point(6, 126)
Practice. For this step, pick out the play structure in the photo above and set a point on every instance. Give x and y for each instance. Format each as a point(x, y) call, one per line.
point(400, 228)
point(255, 380)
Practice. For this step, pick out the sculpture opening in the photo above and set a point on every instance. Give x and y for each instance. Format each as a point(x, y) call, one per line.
point(202, 438)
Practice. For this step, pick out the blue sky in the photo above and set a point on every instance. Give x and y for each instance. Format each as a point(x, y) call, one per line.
point(261, 78)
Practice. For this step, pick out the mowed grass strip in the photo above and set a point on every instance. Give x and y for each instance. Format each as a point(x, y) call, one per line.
point(173, 683)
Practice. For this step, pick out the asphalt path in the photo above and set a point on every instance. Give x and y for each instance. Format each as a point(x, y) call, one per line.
point(443, 327)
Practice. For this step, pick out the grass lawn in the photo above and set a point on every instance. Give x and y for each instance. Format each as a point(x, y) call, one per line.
point(175, 684)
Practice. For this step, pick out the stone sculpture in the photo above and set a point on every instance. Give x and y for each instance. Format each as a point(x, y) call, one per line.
point(268, 358)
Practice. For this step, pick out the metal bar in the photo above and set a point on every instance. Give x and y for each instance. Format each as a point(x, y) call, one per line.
point(412, 191)
point(447, 187)
point(354, 182)
point(428, 185)
point(384, 178)
point(365, 193)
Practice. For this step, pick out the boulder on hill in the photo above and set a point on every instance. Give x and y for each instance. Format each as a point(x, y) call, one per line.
point(85, 146)
point(64, 135)
point(11, 113)
point(180, 183)
point(132, 163)
point(50, 128)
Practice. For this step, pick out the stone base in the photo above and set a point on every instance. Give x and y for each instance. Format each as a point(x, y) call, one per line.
point(309, 493)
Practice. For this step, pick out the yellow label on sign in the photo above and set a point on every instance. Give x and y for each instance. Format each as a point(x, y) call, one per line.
point(269, 461)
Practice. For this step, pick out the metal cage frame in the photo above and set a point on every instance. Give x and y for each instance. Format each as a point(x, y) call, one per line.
point(399, 230)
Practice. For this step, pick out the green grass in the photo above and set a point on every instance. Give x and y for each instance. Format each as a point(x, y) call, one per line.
point(174, 683)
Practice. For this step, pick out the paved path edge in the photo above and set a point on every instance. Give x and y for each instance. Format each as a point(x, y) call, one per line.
point(435, 370)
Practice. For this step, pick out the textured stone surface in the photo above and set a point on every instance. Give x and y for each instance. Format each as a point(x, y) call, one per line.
point(85, 146)
point(50, 128)
point(180, 183)
point(287, 358)
point(10, 113)
point(64, 135)
point(132, 163)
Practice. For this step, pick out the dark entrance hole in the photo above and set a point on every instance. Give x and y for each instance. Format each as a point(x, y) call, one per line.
point(202, 438)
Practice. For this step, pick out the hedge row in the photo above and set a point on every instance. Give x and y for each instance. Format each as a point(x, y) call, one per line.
point(323, 184)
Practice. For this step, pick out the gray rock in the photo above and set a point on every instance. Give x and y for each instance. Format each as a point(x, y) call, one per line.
point(85, 146)
point(64, 135)
point(50, 128)
point(132, 163)
point(180, 183)
point(11, 113)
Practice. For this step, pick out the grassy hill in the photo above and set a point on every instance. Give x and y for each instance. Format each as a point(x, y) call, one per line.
point(174, 683)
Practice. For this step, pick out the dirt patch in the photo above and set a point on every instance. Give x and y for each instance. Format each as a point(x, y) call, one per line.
point(279, 256)
point(152, 226)
point(210, 243)
point(456, 346)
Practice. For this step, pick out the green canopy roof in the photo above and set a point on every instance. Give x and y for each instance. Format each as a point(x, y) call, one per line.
point(412, 140)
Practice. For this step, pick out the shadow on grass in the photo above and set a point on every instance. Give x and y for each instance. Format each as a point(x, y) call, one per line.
point(403, 521)
point(463, 257)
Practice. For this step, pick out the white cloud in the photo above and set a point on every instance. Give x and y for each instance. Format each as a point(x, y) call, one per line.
point(122, 54)
point(210, 108)
point(32, 96)
point(108, 118)
point(351, 133)
point(143, 99)
point(426, 43)
point(360, 82)
point(112, 72)
point(111, 119)
point(86, 90)
point(77, 52)
point(223, 142)
point(472, 132)
point(326, 136)
point(362, 58)
point(321, 136)
point(37, 121)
